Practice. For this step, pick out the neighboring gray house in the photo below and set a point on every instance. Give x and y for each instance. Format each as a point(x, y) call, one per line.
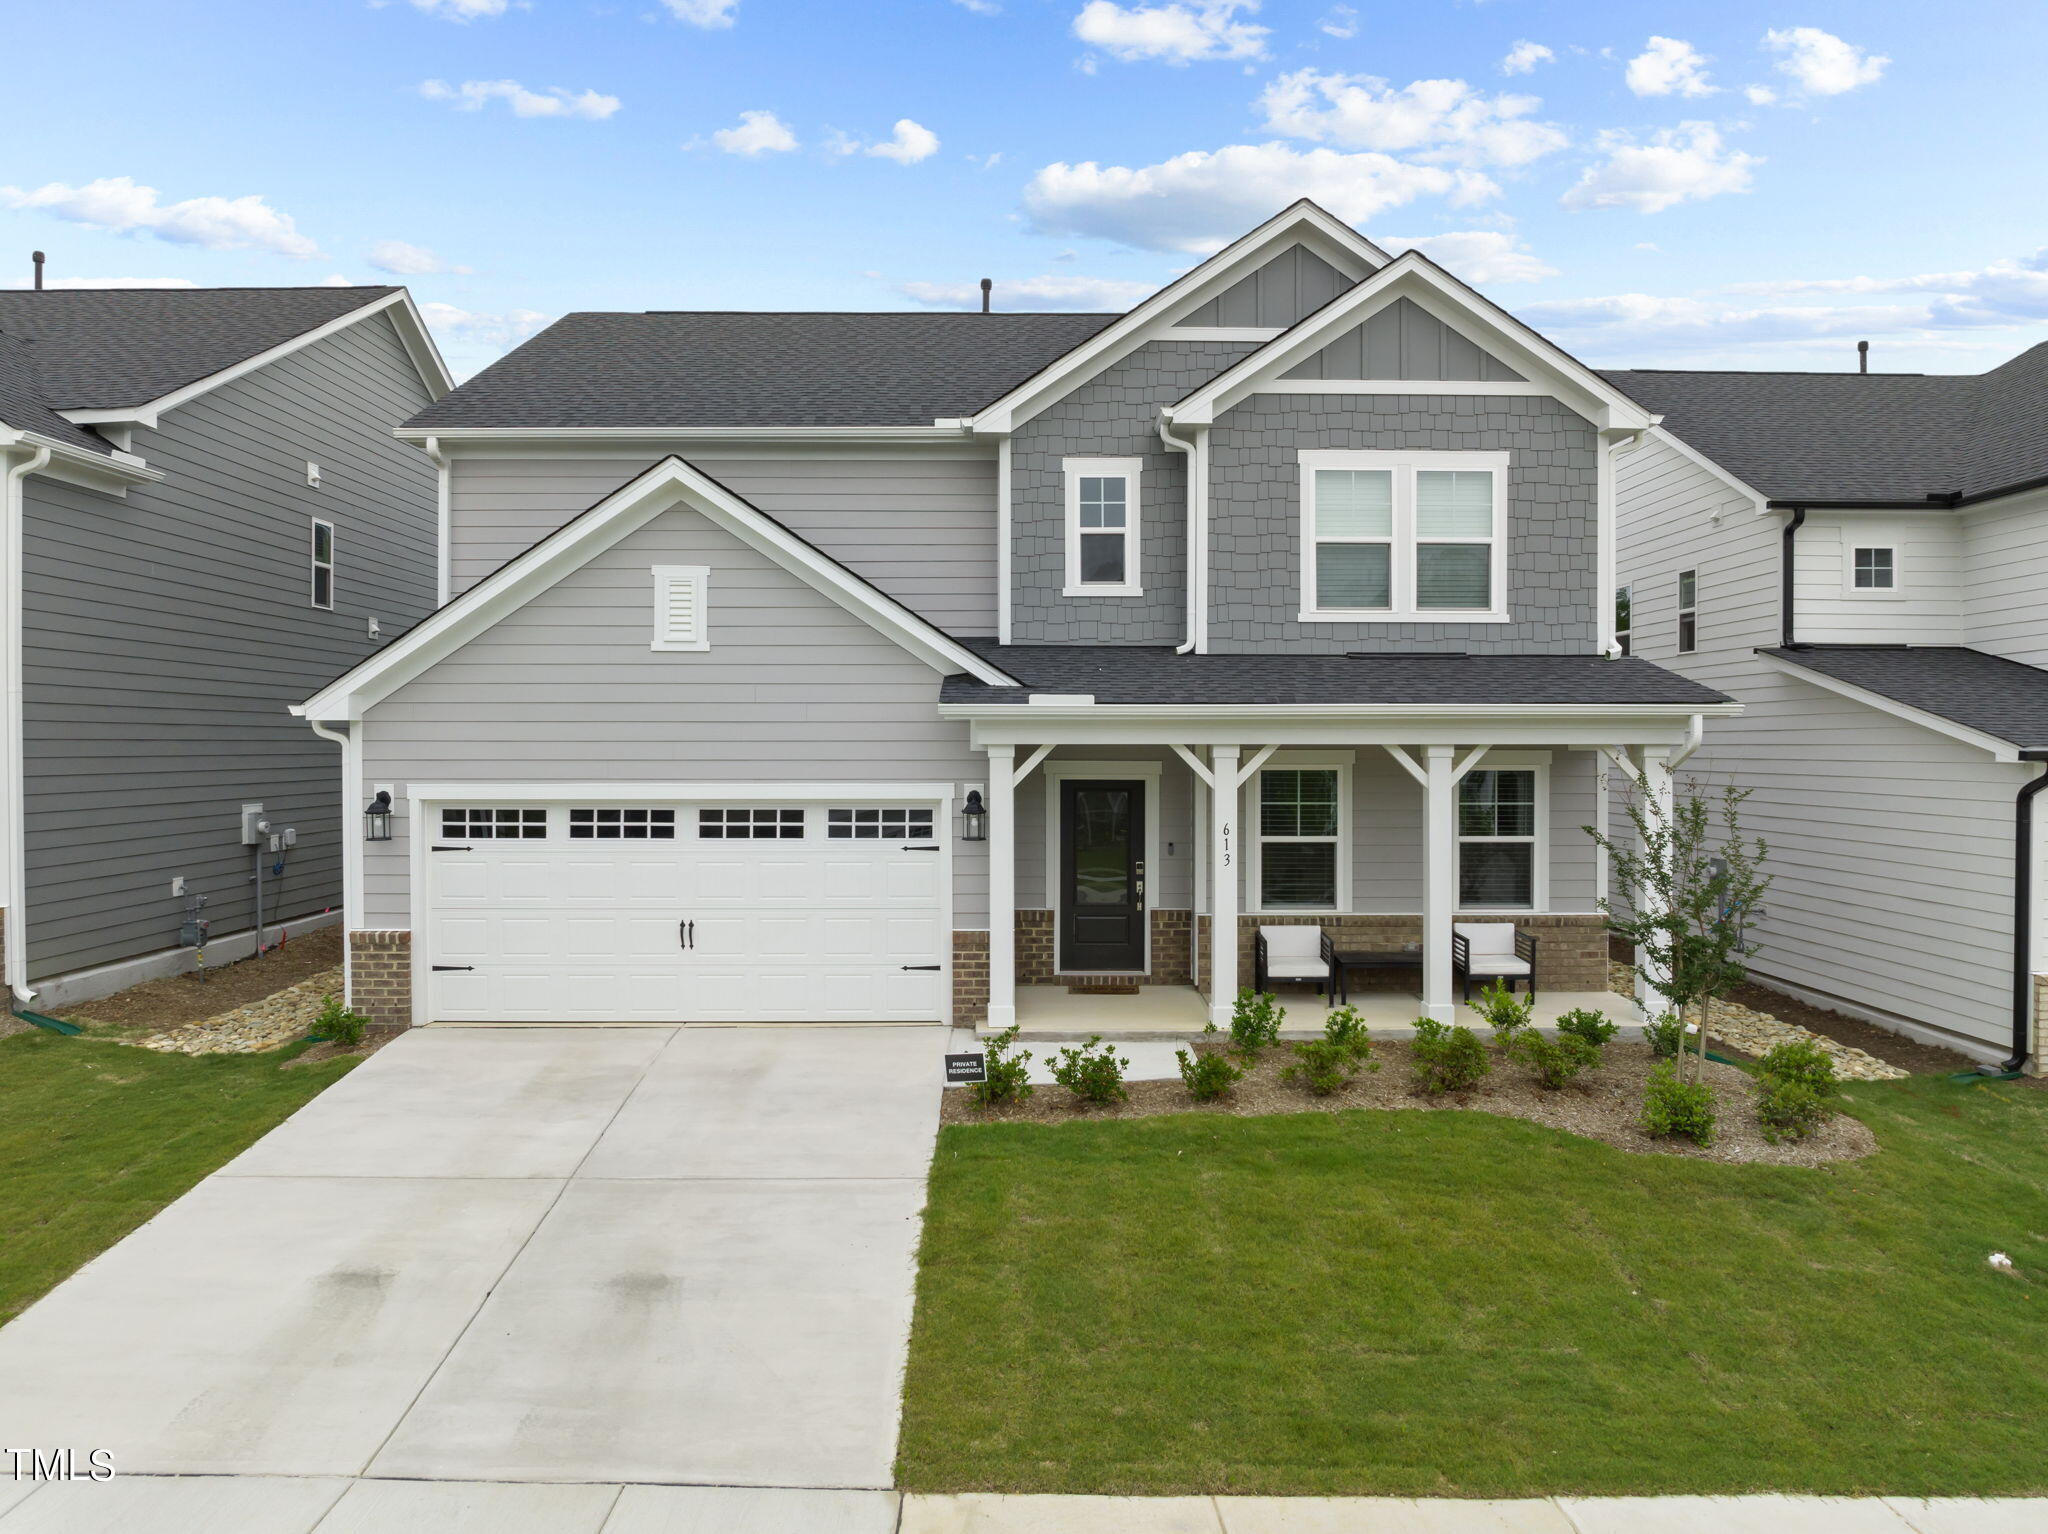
point(883, 667)
point(205, 514)
point(1860, 559)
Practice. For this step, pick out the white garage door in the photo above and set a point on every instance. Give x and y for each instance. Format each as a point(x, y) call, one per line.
point(685, 912)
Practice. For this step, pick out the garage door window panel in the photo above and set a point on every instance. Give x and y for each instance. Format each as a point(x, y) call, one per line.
point(477, 824)
point(851, 825)
point(636, 825)
point(750, 824)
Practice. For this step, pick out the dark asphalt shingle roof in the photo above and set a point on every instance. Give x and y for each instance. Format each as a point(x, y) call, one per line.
point(1984, 692)
point(103, 348)
point(1142, 674)
point(761, 369)
point(1860, 437)
point(25, 406)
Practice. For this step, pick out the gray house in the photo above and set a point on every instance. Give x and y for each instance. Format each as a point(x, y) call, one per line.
point(205, 514)
point(1860, 559)
point(885, 667)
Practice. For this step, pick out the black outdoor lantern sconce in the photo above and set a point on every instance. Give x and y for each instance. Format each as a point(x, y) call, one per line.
point(974, 818)
point(377, 818)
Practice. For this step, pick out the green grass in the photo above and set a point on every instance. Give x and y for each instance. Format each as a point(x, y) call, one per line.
point(95, 1138)
point(1454, 1304)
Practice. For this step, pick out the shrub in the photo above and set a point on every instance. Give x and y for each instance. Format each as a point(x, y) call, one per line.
point(1091, 1074)
point(1208, 1076)
point(1447, 1058)
point(338, 1024)
point(1800, 1062)
point(1508, 1012)
point(1790, 1110)
point(1664, 1036)
point(1346, 1029)
point(1009, 1072)
point(1326, 1066)
point(1674, 1107)
point(1553, 1061)
point(1593, 1027)
point(1255, 1021)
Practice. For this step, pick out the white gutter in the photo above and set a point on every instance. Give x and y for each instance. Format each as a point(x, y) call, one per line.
point(1694, 733)
point(1607, 518)
point(1337, 711)
point(1195, 563)
point(432, 448)
point(684, 433)
point(351, 840)
point(1003, 514)
point(13, 798)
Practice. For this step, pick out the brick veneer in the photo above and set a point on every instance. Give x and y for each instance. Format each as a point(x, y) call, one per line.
point(1571, 950)
point(1170, 931)
point(1034, 948)
point(1037, 955)
point(380, 976)
point(2037, 1061)
point(970, 979)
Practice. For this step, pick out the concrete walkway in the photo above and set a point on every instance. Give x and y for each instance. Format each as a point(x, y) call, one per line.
point(599, 1255)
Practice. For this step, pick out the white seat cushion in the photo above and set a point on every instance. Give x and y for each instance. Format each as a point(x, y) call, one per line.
point(1487, 937)
point(1293, 943)
point(1296, 969)
point(1497, 964)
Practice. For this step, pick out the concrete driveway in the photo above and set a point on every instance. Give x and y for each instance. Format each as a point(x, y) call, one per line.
point(622, 1255)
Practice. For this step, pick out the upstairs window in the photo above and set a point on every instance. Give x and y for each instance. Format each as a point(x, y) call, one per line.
point(1621, 606)
point(1874, 570)
point(681, 595)
point(322, 561)
point(1688, 610)
point(1407, 536)
point(1102, 526)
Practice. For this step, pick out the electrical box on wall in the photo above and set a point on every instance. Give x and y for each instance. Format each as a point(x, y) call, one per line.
point(254, 827)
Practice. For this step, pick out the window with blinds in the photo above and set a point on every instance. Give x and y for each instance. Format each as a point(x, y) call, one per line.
point(1414, 536)
point(680, 601)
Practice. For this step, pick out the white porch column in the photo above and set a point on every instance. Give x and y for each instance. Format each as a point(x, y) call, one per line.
point(1002, 887)
point(1439, 880)
point(1659, 803)
point(1223, 813)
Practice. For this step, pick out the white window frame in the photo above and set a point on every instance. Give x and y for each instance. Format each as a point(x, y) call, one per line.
point(315, 564)
point(666, 576)
point(1682, 609)
point(1854, 546)
point(1055, 772)
point(1405, 466)
point(1250, 816)
point(1132, 472)
point(1537, 762)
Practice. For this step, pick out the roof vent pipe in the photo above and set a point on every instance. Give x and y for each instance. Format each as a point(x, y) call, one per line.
point(1862, 356)
point(987, 286)
point(37, 257)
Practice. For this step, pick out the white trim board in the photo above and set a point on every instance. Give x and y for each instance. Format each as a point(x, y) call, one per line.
point(2001, 750)
point(668, 484)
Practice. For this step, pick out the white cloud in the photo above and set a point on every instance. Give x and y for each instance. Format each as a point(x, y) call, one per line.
point(1176, 33)
point(1479, 256)
point(2006, 290)
point(1759, 95)
point(502, 330)
point(1637, 322)
point(1342, 22)
point(906, 145)
point(1444, 120)
point(703, 13)
point(471, 96)
point(1687, 163)
point(461, 10)
point(1033, 293)
point(334, 280)
point(756, 133)
point(218, 223)
point(1669, 67)
point(1199, 201)
point(403, 260)
point(979, 7)
point(1523, 58)
point(104, 282)
point(1821, 63)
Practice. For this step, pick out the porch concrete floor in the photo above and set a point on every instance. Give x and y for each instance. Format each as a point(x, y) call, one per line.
point(1178, 1012)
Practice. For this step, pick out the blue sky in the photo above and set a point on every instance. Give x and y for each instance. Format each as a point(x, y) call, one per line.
point(1669, 185)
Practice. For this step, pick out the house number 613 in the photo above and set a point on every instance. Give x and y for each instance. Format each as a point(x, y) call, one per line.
point(1226, 844)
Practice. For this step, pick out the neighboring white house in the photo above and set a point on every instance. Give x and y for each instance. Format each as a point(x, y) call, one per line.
point(1860, 559)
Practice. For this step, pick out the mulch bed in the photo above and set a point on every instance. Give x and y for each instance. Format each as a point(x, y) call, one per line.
point(190, 998)
point(1601, 1104)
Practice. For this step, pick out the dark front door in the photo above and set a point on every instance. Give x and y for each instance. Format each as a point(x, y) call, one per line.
point(1102, 875)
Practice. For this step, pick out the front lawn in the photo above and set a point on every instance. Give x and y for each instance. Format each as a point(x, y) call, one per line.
point(1456, 1304)
point(95, 1138)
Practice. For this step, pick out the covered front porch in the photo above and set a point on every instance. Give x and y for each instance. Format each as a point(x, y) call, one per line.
point(1181, 1012)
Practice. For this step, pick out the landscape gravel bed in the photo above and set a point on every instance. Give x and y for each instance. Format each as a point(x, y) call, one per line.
point(1756, 1033)
point(270, 1023)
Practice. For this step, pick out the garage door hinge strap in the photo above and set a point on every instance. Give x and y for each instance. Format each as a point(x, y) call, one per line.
point(455, 849)
point(439, 967)
point(921, 966)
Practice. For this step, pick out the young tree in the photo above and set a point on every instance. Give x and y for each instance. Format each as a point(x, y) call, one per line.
point(1690, 883)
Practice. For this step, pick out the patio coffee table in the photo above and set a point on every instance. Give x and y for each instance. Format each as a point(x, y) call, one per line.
point(1344, 961)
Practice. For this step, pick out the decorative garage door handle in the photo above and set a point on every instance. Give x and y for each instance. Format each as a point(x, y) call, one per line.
point(920, 849)
point(921, 966)
point(454, 966)
point(686, 934)
point(455, 849)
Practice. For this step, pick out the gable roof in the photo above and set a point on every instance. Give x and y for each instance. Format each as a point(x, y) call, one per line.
point(1984, 694)
point(667, 484)
point(1862, 438)
point(1414, 276)
point(25, 405)
point(688, 369)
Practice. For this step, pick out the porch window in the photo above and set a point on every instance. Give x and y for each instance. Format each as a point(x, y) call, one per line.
point(1399, 535)
point(1300, 822)
point(1497, 819)
point(1102, 527)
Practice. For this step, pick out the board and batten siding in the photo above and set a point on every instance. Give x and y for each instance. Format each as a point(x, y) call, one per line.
point(566, 688)
point(920, 526)
point(167, 633)
point(1891, 845)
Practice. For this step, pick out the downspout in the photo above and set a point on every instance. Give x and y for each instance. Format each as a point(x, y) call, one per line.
point(1694, 733)
point(432, 448)
point(1607, 556)
point(13, 794)
point(351, 845)
point(2023, 918)
point(1787, 613)
point(1197, 557)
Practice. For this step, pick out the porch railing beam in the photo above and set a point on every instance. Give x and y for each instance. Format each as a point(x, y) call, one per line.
point(1195, 765)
